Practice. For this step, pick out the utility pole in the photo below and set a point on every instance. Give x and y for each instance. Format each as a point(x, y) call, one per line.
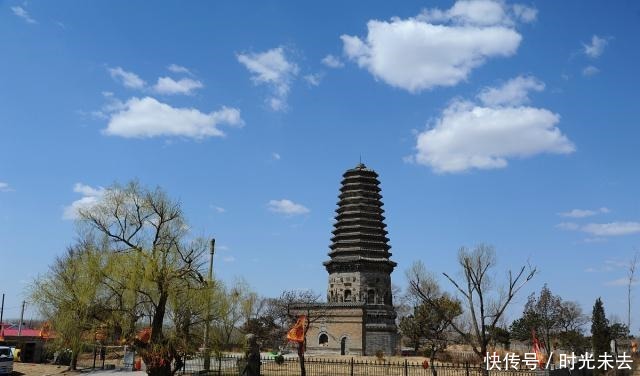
point(207, 327)
point(1, 316)
point(21, 318)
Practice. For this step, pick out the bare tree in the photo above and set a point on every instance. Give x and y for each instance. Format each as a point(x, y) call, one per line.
point(483, 301)
point(293, 303)
point(631, 272)
point(237, 304)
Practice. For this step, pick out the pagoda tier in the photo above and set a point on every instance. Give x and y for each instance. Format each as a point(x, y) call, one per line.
point(360, 236)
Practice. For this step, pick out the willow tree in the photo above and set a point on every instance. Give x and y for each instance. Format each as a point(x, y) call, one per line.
point(68, 296)
point(149, 225)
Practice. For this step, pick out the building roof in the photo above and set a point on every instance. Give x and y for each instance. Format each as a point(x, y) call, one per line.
point(13, 332)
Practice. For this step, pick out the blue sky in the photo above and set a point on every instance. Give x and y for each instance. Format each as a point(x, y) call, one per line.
point(513, 124)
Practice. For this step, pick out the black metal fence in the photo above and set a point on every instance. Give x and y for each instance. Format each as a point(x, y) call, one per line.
point(233, 365)
point(113, 357)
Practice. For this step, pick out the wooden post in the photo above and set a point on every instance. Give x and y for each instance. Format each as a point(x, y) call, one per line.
point(351, 367)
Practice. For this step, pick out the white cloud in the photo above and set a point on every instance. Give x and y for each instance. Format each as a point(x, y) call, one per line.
point(5, 187)
point(524, 13)
point(167, 85)
point(175, 68)
point(567, 226)
point(276, 156)
point(273, 69)
point(472, 136)
point(22, 13)
point(481, 13)
point(513, 92)
point(332, 62)
point(603, 229)
point(438, 47)
point(90, 197)
point(582, 213)
point(590, 71)
point(313, 79)
point(128, 79)
point(147, 117)
point(612, 228)
point(596, 48)
point(228, 259)
point(287, 207)
point(219, 209)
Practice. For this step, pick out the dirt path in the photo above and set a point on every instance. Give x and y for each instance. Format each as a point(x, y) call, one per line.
point(31, 369)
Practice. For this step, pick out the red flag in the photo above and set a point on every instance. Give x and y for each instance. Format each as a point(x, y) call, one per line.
point(296, 333)
point(538, 348)
point(144, 335)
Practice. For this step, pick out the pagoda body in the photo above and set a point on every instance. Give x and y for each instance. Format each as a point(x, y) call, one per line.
point(358, 318)
point(359, 268)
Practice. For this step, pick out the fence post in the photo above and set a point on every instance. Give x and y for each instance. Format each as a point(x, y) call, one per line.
point(95, 349)
point(406, 368)
point(466, 368)
point(219, 364)
point(351, 367)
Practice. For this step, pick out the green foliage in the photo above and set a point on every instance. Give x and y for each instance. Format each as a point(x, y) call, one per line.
point(600, 336)
point(556, 322)
point(429, 323)
point(68, 295)
point(501, 336)
point(618, 331)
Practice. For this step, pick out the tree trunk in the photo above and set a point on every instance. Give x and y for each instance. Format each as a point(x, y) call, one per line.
point(157, 355)
point(483, 354)
point(432, 356)
point(158, 318)
point(303, 371)
point(73, 364)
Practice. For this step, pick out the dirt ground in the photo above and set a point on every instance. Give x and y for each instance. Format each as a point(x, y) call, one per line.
point(31, 369)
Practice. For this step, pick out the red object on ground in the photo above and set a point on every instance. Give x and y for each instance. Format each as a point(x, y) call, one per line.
point(138, 364)
point(425, 364)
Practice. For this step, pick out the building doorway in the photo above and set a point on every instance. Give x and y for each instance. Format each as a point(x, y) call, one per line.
point(343, 346)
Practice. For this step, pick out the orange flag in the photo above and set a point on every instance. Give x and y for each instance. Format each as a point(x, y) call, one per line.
point(296, 333)
point(45, 331)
